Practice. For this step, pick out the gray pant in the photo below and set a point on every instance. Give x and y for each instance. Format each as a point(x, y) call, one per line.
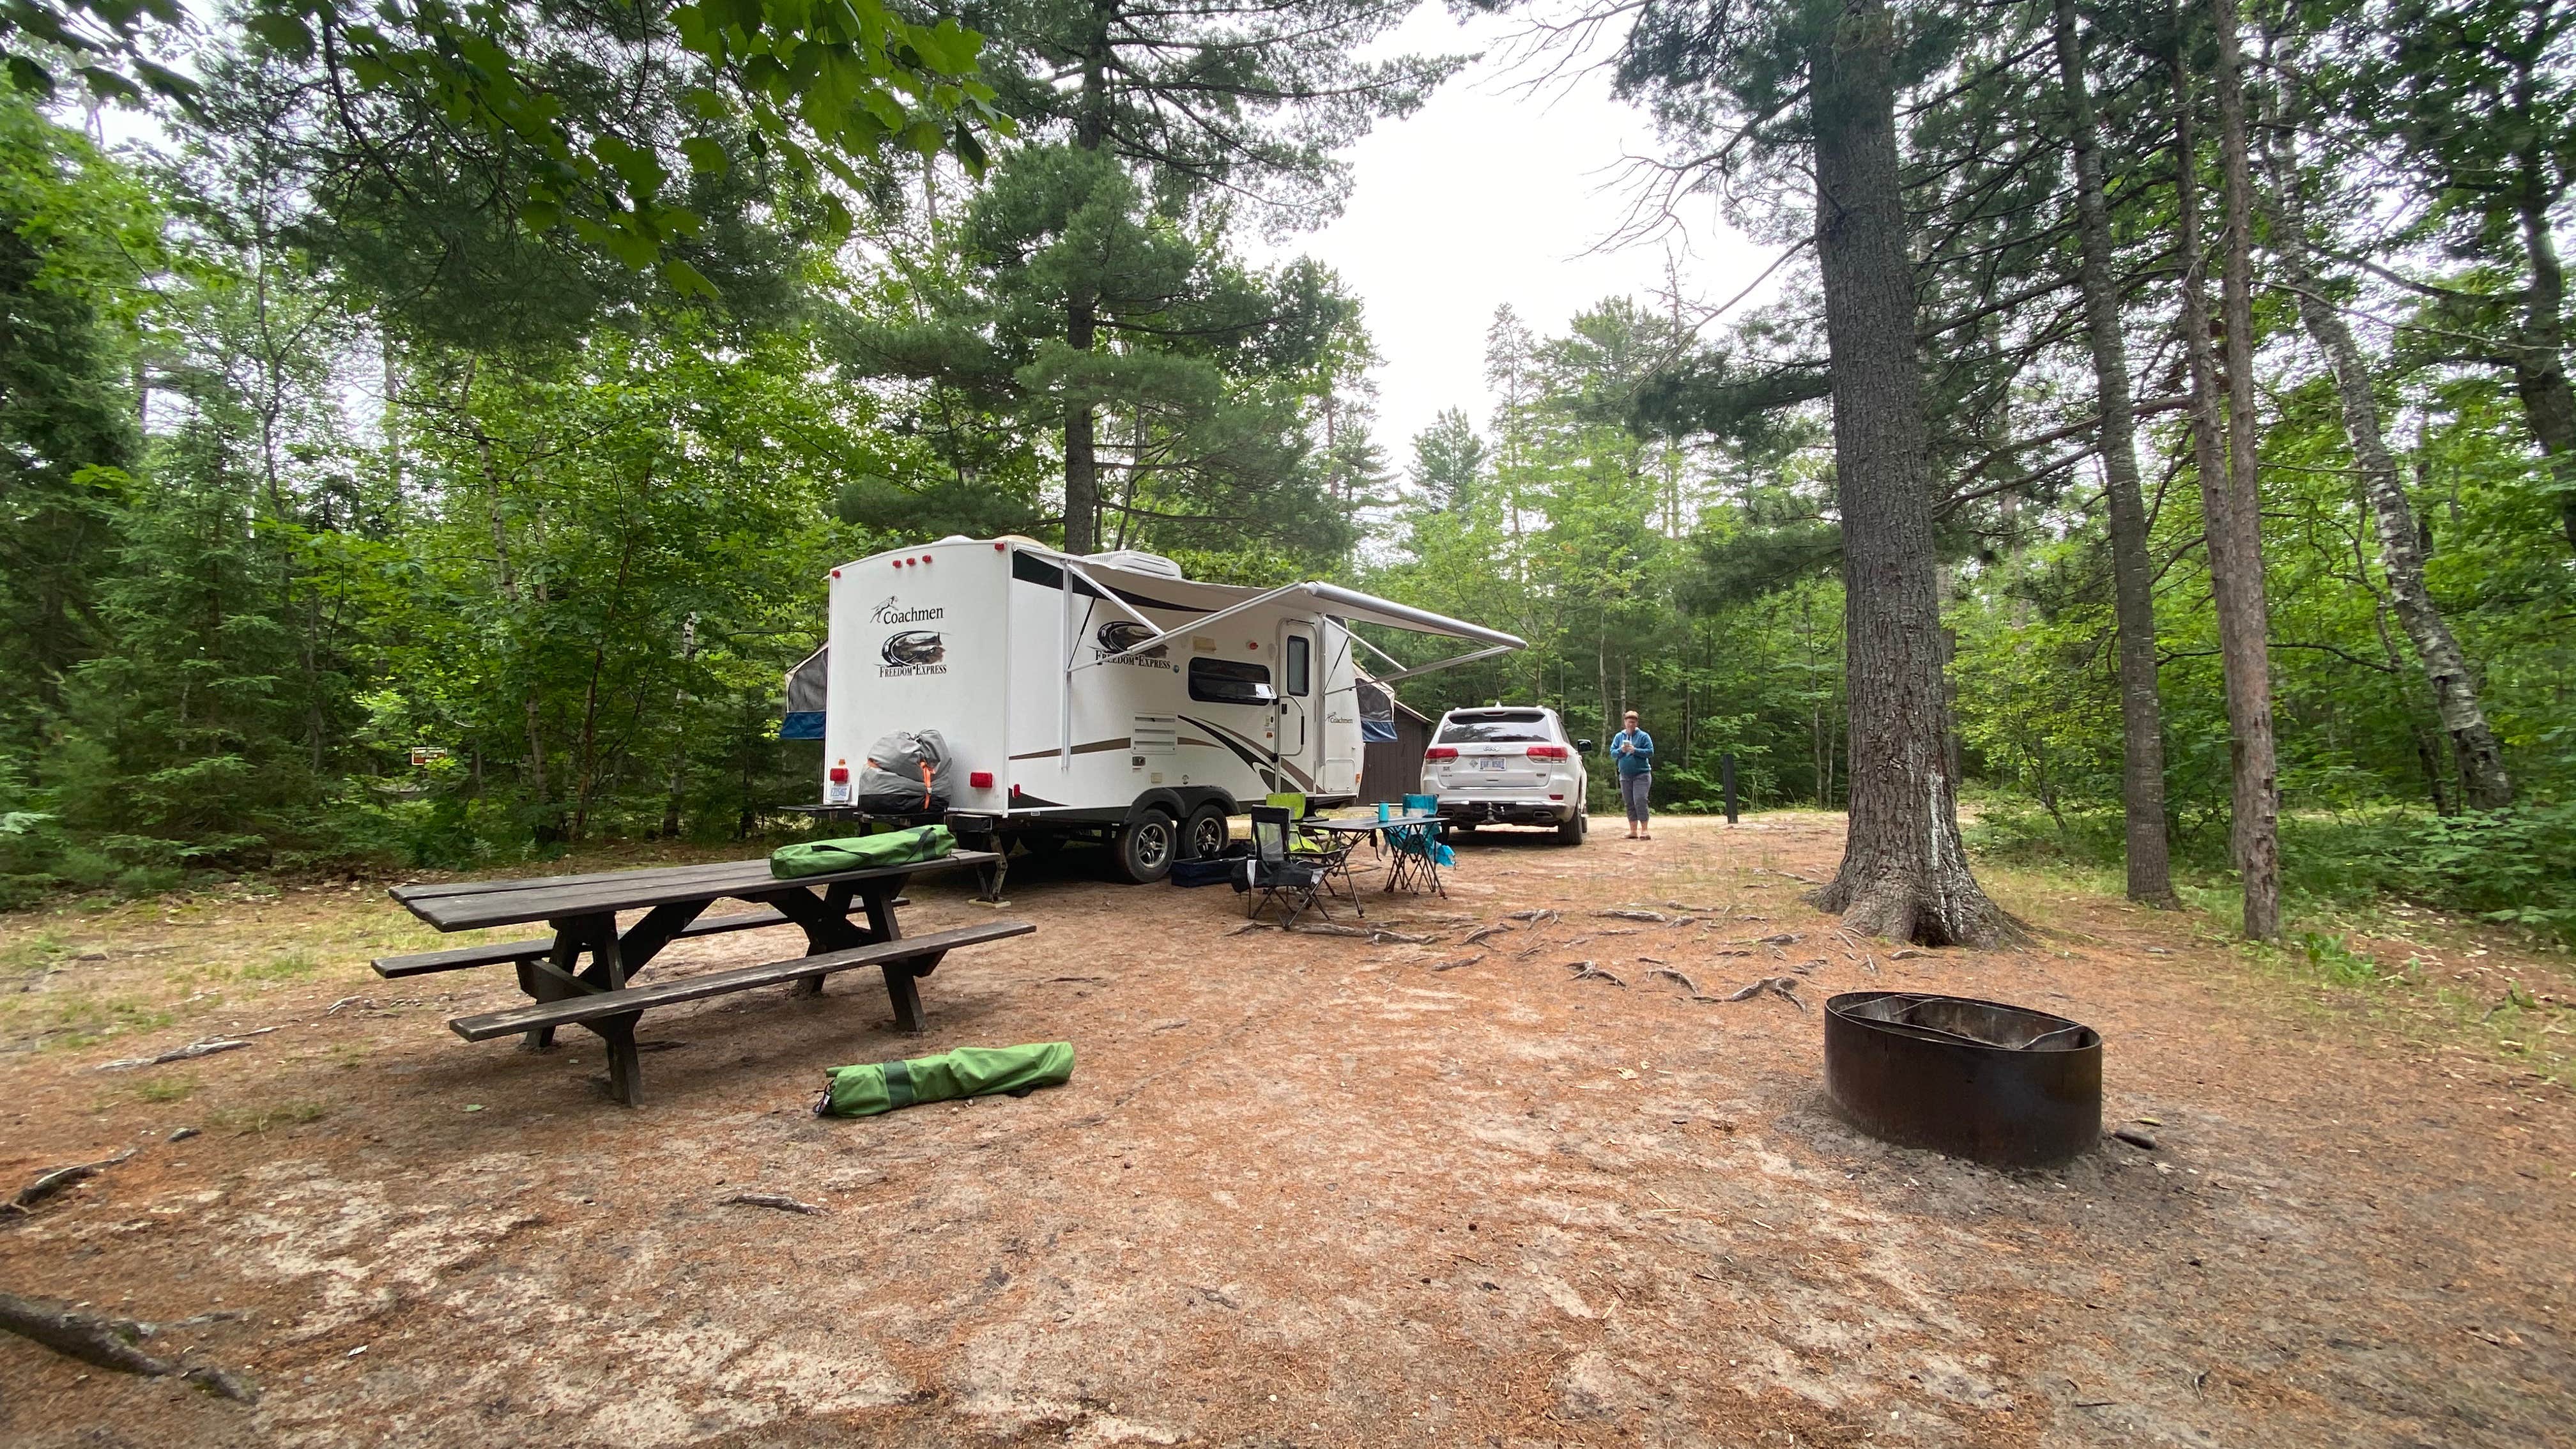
point(1632, 793)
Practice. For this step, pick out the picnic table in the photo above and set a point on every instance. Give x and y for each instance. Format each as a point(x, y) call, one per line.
point(603, 996)
point(1408, 870)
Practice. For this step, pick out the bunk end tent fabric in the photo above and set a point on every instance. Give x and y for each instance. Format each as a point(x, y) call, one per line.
point(1396, 734)
point(806, 689)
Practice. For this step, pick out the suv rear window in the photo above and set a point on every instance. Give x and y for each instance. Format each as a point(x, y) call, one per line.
point(1524, 728)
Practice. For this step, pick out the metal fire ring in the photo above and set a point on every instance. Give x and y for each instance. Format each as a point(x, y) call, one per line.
point(2002, 1085)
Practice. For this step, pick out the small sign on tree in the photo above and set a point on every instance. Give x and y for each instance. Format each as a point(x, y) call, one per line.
point(427, 754)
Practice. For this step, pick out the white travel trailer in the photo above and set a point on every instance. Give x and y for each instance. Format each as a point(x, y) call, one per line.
point(1103, 696)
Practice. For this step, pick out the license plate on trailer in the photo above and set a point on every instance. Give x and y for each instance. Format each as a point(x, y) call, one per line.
point(1488, 763)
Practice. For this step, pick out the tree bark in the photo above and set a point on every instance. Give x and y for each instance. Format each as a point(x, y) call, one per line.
point(2142, 747)
point(1904, 874)
point(2243, 613)
point(2540, 358)
point(2484, 785)
point(1082, 312)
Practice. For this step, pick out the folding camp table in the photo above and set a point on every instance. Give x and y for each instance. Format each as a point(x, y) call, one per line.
point(1405, 870)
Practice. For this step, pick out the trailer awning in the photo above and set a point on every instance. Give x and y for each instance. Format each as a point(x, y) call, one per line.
point(1209, 603)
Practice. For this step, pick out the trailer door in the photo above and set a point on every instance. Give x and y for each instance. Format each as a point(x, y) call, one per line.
point(1299, 692)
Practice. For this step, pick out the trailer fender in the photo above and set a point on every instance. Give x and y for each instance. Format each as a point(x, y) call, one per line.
point(1170, 802)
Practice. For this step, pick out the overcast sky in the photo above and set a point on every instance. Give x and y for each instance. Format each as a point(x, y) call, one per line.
point(1489, 195)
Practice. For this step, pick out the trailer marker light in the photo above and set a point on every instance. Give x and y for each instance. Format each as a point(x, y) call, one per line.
point(980, 780)
point(1440, 752)
point(840, 773)
point(997, 546)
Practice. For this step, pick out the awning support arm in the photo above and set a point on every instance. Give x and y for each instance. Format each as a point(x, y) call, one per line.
point(1202, 622)
point(1115, 602)
point(1446, 663)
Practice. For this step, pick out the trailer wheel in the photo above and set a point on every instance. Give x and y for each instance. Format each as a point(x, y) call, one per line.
point(1207, 833)
point(1145, 847)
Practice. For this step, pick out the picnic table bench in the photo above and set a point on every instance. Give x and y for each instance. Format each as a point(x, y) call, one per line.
point(602, 996)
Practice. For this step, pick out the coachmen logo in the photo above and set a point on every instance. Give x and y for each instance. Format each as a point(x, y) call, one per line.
point(892, 612)
point(914, 651)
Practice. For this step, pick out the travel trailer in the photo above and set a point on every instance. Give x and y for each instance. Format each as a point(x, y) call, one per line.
point(1103, 696)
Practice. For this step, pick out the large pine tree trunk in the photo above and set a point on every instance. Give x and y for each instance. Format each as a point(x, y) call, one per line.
point(2243, 612)
point(1082, 312)
point(2483, 781)
point(2142, 783)
point(1903, 873)
point(2540, 359)
point(1081, 454)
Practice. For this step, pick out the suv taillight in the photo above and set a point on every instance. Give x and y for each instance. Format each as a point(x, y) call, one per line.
point(1547, 752)
point(1440, 752)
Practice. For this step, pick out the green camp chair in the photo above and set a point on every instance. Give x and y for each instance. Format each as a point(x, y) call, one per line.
point(1298, 841)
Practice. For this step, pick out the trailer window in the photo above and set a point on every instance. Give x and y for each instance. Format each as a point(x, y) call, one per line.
point(1230, 681)
point(1299, 649)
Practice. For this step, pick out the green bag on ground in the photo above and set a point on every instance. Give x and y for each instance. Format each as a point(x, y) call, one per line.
point(865, 1091)
point(860, 852)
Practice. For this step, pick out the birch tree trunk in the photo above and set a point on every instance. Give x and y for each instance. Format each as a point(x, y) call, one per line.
point(2243, 615)
point(1903, 872)
point(2142, 746)
point(2484, 785)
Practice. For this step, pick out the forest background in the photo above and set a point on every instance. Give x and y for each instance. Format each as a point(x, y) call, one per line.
point(391, 405)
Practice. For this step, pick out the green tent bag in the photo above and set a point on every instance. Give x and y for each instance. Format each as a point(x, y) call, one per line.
point(861, 852)
point(865, 1091)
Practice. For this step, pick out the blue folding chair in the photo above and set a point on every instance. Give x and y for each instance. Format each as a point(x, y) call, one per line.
point(1417, 849)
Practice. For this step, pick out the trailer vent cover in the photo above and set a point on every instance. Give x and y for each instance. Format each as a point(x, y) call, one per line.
point(1136, 561)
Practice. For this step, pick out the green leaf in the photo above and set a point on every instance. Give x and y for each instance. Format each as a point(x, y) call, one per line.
point(687, 280)
point(285, 33)
point(30, 77)
point(706, 156)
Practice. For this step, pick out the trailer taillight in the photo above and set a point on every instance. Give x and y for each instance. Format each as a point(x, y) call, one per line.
point(1440, 752)
point(980, 779)
point(840, 773)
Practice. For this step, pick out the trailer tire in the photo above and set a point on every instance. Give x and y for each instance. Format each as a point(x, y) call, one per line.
point(1146, 845)
point(1207, 833)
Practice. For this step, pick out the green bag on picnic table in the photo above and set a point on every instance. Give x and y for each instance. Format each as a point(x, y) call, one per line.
point(865, 1091)
point(860, 852)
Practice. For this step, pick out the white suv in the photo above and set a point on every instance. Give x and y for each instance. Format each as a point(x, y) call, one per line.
point(1507, 765)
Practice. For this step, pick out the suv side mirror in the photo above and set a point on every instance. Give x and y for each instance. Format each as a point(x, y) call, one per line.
point(1583, 747)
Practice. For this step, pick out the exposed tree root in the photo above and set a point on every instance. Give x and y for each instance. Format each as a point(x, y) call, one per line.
point(109, 1343)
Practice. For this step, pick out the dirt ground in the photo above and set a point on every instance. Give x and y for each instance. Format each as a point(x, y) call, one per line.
point(1301, 1191)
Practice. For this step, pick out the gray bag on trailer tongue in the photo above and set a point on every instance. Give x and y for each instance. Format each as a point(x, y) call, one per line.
point(907, 774)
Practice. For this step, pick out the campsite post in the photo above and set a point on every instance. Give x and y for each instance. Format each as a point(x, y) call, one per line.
point(1726, 782)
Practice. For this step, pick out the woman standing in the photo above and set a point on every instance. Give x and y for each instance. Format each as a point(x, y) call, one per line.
point(1635, 751)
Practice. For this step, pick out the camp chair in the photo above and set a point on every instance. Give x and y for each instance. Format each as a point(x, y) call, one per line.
point(1418, 851)
point(1299, 843)
point(1277, 874)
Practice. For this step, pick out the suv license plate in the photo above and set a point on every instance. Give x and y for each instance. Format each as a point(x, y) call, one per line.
point(1489, 764)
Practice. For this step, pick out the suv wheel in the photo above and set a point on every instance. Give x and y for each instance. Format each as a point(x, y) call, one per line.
point(1145, 847)
point(1571, 832)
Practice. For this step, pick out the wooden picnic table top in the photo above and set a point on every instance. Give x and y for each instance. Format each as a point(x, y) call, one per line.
point(472, 905)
